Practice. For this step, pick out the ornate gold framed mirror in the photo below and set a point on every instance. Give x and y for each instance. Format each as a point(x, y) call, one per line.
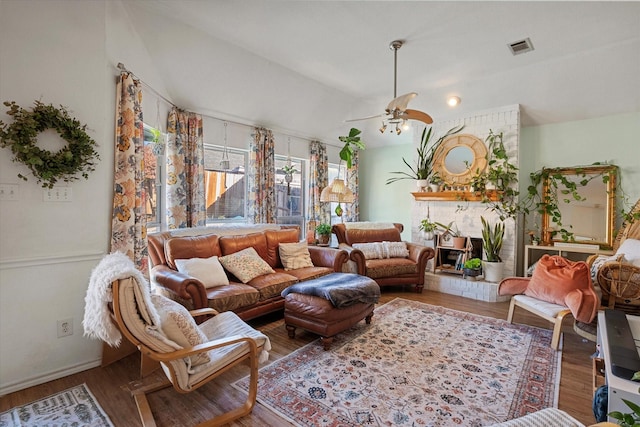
point(459, 157)
point(585, 207)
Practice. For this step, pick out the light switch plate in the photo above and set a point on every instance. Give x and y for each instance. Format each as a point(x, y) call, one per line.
point(9, 191)
point(58, 194)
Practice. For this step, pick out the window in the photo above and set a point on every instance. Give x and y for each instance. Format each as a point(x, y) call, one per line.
point(225, 189)
point(290, 193)
point(154, 190)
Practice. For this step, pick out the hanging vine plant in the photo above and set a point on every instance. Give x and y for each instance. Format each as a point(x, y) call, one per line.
point(77, 157)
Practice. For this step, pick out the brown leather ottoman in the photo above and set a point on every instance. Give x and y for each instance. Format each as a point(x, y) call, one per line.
point(318, 315)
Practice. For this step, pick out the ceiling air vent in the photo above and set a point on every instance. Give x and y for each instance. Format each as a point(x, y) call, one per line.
point(521, 46)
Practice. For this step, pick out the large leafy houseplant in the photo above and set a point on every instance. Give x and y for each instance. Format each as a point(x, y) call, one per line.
point(423, 168)
point(352, 142)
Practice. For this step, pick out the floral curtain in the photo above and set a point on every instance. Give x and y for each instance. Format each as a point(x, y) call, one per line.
point(318, 179)
point(352, 210)
point(185, 170)
point(261, 177)
point(129, 224)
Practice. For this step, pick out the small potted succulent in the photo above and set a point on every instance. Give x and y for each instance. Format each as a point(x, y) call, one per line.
point(323, 233)
point(472, 267)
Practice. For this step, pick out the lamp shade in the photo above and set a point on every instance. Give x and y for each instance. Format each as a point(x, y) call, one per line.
point(337, 192)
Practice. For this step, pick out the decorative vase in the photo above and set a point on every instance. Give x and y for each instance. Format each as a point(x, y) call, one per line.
point(435, 187)
point(493, 271)
point(422, 184)
point(427, 235)
point(323, 239)
point(471, 272)
point(459, 242)
point(288, 177)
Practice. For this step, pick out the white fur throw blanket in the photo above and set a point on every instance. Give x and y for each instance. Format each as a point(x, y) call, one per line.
point(97, 321)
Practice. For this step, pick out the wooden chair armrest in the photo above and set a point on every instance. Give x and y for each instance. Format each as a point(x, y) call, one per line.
point(200, 348)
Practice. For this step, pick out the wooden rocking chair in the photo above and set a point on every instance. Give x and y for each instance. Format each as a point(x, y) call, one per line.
point(230, 342)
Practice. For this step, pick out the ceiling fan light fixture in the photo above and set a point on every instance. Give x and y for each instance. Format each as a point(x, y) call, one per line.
point(405, 125)
point(383, 127)
point(454, 101)
point(398, 130)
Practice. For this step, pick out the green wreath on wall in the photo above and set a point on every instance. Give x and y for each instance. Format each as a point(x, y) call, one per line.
point(77, 157)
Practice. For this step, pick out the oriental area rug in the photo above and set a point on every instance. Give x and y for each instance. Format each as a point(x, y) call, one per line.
point(415, 365)
point(72, 407)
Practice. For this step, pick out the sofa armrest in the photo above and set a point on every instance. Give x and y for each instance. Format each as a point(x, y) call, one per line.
point(184, 286)
point(357, 256)
point(328, 257)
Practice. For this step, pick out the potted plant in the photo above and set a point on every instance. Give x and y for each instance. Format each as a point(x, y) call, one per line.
point(451, 229)
point(472, 267)
point(288, 171)
point(428, 228)
point(423, 168)
point(323, 233)
point(435, 181)
point(631, 419)
point(492, 239)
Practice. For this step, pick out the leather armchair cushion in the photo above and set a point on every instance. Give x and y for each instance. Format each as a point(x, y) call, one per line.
point(392, 267)
point(204, 246)
point(354, 235)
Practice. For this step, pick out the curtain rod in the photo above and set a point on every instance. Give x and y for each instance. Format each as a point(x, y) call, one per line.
point(122, 67)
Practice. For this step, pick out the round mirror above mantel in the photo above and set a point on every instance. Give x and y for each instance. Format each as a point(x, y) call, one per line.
point(459, 158)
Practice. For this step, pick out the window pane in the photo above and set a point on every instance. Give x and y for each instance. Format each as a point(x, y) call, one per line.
point(225, 189)
point(289, 193)
point(152, 183)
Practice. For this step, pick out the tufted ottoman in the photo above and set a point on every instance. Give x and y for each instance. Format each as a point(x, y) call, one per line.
point(329, 304)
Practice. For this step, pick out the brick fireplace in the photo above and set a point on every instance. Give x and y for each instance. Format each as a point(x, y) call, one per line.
point(467, 214)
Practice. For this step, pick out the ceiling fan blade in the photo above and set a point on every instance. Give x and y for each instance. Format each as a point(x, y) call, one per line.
point(377, 116)
point(400, 103)
point(418, 115)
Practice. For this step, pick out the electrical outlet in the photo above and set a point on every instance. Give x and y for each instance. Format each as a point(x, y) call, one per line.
point(65, 328)
point(58, 194)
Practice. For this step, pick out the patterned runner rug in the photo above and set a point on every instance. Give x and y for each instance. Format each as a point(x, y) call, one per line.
point(72, 407)
point(416, 365)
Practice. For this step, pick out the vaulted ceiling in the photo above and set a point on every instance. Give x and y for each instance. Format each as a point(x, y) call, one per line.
point(332, 58)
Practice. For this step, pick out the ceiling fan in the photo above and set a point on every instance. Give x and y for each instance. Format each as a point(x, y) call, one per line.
point(397, 112)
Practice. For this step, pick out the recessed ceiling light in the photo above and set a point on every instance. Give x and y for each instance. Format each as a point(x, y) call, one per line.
point(453, 101)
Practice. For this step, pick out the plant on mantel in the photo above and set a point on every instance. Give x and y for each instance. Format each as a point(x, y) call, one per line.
point(423, 168)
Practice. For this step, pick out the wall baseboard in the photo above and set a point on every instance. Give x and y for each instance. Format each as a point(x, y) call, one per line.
point(45, 378)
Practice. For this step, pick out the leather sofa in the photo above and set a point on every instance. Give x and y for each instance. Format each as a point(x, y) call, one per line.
point(392, 271)
point(258, 296)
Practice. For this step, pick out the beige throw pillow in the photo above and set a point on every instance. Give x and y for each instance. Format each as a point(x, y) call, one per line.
point(178, 325)
point(381, 250)
point(207, 270)
point(295, 255)
point(246, 264)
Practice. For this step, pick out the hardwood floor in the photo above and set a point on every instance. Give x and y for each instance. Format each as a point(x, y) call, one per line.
point(110, 384)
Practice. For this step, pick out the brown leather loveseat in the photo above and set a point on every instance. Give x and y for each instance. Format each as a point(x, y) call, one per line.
point(258, 296)
point(386, 270)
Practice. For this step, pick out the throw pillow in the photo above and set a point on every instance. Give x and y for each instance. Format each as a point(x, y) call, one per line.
point(630, 248)
point(554, 277)
point(381, 250)
point(207, 270)
point(178, 325)
point(246, 264)
point(295, 255)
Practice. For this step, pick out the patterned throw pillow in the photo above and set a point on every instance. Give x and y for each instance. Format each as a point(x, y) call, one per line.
point(207, 270)
point(295, 255)
point(381, 250)
point(246, 264)
point(178, 325)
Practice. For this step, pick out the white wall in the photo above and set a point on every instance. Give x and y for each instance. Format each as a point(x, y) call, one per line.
point(48, 249)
